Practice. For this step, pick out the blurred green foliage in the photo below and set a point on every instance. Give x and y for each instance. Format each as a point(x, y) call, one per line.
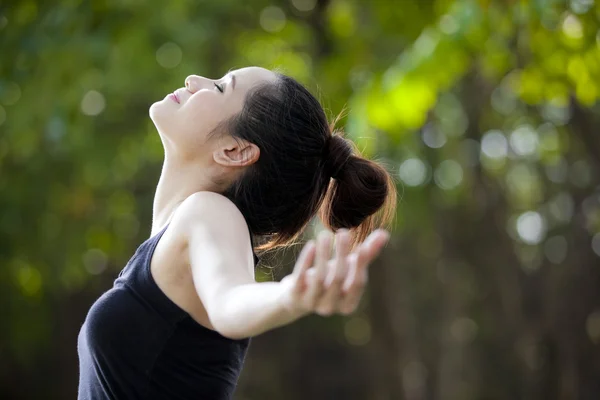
point(486, 112)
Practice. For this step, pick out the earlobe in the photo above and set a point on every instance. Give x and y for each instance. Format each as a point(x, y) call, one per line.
point(239, 155)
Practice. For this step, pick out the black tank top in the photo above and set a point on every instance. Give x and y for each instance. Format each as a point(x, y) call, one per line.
point(136, 343)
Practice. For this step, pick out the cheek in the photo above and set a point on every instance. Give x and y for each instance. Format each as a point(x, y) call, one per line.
point(200, 114)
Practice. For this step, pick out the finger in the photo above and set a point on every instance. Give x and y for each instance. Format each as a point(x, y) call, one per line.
point(353, 288)
point(360, 259)
point(337, 274)
point(352, 300)
point(305, 260)
point(323, 253)
point(371, 247)
point(352, 271)
point(328, 303)
point(317, 277)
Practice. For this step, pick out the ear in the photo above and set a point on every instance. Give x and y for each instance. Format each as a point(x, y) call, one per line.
point(239, 153)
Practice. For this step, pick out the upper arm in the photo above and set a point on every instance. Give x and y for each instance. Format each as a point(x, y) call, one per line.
point(218, 246)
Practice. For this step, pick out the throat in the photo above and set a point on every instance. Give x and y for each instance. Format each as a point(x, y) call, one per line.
point(177, 183)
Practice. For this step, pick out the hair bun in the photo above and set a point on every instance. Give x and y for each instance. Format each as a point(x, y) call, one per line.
point(339, 151)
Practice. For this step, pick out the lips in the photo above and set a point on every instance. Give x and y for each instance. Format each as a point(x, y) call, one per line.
point(175, 98)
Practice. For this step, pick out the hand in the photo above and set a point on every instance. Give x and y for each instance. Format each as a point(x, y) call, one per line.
point(326, 286)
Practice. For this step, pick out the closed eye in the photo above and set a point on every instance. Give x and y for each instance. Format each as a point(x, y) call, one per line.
point(220, 87)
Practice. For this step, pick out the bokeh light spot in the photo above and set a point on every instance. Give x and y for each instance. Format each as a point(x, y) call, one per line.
point(572, 28)
point(448, 175)
point(592, 325)
point(433, 137)
point(558, 114)
point(93, 103)
point(29, 279)
point(524, 140)
point(304, 5)
point(95, 261)
point(463, 330)
point(555, 249)
point(448, 24)
point(494, 144)
point(272, 19)
point(581, 6)
point(531, 227)
point(169, 55)
point(413, 172)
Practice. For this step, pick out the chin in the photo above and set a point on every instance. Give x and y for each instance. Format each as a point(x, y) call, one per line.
point(159, 113)
point(155, 109)
point(158, 117)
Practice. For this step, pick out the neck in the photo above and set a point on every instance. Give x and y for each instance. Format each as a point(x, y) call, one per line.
point(178, 180)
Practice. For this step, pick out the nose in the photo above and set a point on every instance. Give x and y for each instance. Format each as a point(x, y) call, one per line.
point(193, 83)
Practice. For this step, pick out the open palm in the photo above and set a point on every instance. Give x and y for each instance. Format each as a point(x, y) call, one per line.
point(327, 285)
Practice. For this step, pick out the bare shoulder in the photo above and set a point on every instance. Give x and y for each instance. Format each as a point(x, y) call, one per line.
point(200, 202)
point(214, 226)
point(209, 211)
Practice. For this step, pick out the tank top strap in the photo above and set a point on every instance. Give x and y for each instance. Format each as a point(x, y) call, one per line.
point(148, 288)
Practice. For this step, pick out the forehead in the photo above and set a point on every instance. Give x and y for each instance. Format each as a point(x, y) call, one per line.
point(249, 76)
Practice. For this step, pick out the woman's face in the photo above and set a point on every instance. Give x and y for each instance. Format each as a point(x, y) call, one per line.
point(186, 117)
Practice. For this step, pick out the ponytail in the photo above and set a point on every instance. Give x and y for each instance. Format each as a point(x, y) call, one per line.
point(362, 194)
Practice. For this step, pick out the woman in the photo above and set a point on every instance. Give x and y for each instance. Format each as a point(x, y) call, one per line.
point(247, 155)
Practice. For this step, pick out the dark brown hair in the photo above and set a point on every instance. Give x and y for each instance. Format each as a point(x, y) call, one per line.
point(299, 155)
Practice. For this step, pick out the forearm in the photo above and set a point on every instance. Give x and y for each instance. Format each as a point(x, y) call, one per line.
point(251, 309)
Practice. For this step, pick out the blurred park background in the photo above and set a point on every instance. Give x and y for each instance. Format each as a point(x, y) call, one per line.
point(485, 111)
